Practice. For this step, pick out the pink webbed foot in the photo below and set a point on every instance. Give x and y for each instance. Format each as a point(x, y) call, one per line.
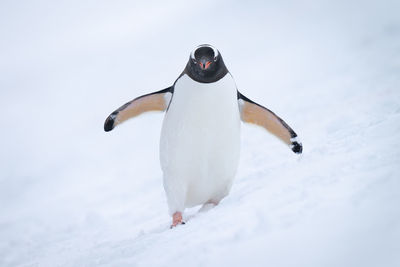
point(176, 219)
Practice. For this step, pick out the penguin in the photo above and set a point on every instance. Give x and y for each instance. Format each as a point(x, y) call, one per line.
point(200, 136)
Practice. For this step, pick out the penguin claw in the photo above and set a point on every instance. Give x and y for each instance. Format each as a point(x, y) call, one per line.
point(175, 225)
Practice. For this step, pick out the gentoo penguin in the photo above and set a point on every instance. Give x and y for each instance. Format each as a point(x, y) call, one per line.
point(200, 136)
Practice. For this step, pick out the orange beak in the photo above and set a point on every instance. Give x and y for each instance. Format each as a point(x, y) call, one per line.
point(205, 65)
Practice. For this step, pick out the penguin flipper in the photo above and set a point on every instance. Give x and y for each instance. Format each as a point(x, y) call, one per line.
point(156, 101)
point(251, 112)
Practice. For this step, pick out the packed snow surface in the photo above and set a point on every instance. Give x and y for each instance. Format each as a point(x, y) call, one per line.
point(73, 195)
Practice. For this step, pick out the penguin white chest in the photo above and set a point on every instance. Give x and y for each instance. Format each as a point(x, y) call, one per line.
point(200, 142)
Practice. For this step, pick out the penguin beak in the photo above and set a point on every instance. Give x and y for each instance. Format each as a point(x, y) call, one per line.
point(204, 64)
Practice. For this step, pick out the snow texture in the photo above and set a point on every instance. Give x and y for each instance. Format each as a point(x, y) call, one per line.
point(73, 195)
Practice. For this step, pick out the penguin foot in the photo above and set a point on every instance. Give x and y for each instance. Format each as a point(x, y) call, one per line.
point(208, 206)
point(176, 219)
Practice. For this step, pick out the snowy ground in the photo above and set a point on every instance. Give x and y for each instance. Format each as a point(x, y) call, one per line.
point(72, 195)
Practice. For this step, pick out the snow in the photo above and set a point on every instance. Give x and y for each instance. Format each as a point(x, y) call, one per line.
point(73, 195)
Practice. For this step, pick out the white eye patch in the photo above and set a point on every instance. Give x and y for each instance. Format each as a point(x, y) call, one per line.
point(216, 53)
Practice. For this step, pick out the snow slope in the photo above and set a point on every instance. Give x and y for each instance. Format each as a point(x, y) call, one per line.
point(72, 195)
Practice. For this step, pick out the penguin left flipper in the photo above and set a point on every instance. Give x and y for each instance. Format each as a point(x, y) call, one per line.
point(251, 112)
point(156, 101)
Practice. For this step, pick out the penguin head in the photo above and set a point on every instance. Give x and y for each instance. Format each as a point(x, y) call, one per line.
point(206, 64)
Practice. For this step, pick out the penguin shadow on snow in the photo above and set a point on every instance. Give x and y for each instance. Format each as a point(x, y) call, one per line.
point(198, 211)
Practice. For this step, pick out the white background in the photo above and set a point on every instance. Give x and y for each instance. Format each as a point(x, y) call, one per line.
point(73, 195)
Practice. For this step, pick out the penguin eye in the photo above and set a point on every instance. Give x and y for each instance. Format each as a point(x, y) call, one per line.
point(215, 59)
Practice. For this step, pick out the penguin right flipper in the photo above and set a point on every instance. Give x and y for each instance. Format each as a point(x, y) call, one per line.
point(156, 101)
point(251, 112)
